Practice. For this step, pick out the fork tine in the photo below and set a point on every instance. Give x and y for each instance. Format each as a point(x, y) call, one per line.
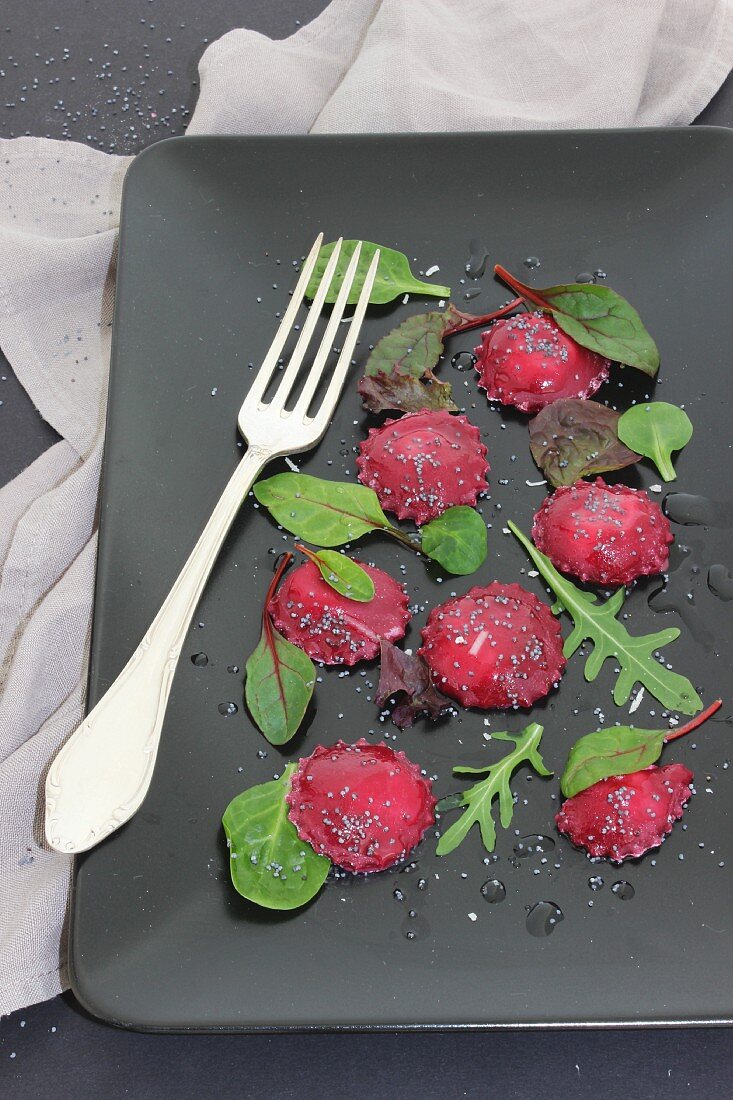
point(282, 392)
point(269, 363)
point(336, 382)
point(319, 362)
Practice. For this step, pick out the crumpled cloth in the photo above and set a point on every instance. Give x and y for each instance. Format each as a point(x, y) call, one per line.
point(362, 65)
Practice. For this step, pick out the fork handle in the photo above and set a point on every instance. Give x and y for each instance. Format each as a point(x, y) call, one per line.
point(101, 775)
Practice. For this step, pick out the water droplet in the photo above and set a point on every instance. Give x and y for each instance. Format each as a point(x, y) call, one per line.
point(422, 884)
point(623, 890)
point(199, 659)
point(227, 709)
point(415, 928)
point(543, 918)
point(585, 277)
point(409, 867)
point(595, 882)
point(532, 262)
point(493, 891)
point(720, 582)
point(692, 510)
point(472, 293)
point(476, 263)
point(463, 360)
point(398, 894)
point(599, 273)
point(278, 561)
point(532, 845)
point(233, 668)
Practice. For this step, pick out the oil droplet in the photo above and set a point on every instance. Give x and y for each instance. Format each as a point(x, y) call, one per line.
point(623, 890)
point(233, 668)
point(476, 262)
point(472, 293)
point(532, 262)
point(720, 582)
point(543, 918)
point(585, 277)
point(692, 510)
point(227, 709)
point(493, 891)
point(199, 659)
point(595, 882)
point(533, 844)
point(464, 360)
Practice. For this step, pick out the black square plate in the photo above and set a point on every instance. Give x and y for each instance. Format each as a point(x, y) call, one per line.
point(210, 230)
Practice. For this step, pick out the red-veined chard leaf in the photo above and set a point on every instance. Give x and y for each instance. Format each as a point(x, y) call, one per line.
point(393, 274)
point(406, 676)
point(279, 678)
point(269, 863)
point(572, 438)
point(596, 317)
point(655, 430)
point(619, 750)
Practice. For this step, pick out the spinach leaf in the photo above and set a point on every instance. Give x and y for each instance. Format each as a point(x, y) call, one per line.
point(269, 863)
point(328, 513)
point(456, 540)
point(596, 317)
point(343, 574)
point(656, 430)
point(572, 438)
point(598, 623)
point(393, 274)
point(478, 800)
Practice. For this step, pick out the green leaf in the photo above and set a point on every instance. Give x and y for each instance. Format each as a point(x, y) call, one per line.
point(598, 623)
point(399, 371)
point(478, 800)
point(328, 513)
point(269, 863)
point(655, 431)
point(279, 684)
point(572, 438)
point(615, 751)
point(456, 540)
point(596, 317)
point(393, 274)
point(343, 574)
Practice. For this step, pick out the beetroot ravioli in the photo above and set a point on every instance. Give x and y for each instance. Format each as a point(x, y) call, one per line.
point(332, 628)
point(495, 647)
point(364, 806)
point(424, 463)
point(528, 361)
point(603, 534)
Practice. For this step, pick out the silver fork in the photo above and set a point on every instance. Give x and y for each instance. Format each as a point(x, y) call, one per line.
point(101, 776)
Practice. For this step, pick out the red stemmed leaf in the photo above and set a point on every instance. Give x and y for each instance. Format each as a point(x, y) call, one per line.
point(364, 806)
point(623, 816)
point(406, 676)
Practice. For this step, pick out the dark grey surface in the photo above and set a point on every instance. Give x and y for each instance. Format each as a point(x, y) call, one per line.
point(55, 1047)
point(210, 229)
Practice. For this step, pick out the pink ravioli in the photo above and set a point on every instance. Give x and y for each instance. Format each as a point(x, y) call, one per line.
point(528, 361)
point(625, 815)
point(424, 463)
point(495, 647)
point(603, 534)
point(332, 628)
point(364, 806)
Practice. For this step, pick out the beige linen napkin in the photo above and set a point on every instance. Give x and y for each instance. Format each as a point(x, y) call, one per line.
point(362, 65)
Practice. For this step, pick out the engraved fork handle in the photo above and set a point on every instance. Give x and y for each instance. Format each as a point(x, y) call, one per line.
point(102, 774)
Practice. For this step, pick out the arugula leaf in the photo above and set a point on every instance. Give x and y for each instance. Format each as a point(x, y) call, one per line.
point(620, 750)
point(478, 800)
point(596, 317)
point(280, 677)
point(572, 438)
point(598, 623)
point(457, 540)
point(393, 274)
point(655, 430)
point(406, 676)
point(328, 513)
point(269, 863)
point(343, 574)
